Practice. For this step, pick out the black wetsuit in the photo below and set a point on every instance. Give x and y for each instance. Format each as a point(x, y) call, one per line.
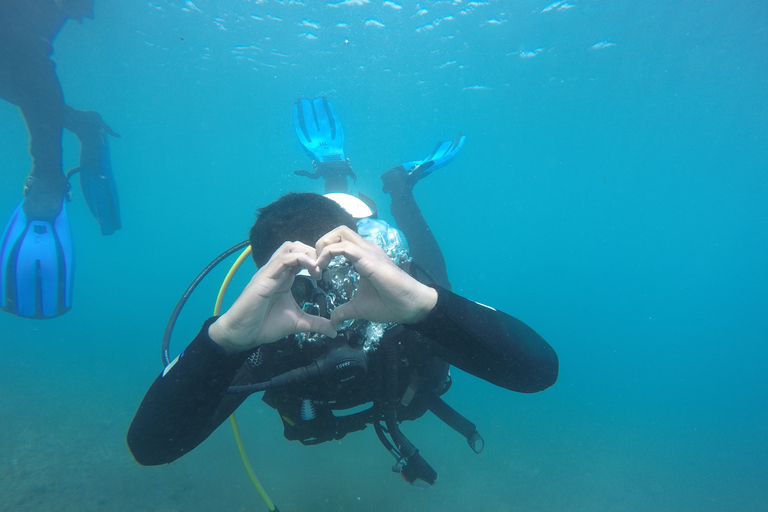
point(28, 77)
point(186, 404)
point(28, 80)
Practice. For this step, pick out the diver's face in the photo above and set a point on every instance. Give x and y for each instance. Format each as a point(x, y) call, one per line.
point(309, 296)
point(320, 298)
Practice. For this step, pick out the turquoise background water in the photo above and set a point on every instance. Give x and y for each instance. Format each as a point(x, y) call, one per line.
point(612, 196)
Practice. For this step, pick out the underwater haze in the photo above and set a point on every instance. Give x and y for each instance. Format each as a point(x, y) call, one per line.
point(612, 193)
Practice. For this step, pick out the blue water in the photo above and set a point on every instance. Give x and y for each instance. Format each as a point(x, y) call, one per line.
point(611, 193)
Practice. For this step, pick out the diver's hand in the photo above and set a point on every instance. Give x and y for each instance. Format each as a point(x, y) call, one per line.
point(266, 311)
point(385, 292)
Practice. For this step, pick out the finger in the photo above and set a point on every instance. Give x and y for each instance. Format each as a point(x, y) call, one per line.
point(318, 324)
point(343, 313)
point(338, 235)
point(287, 266)
point(289, 257)
point(367, 258)
point(348, 244)
point(351, 251)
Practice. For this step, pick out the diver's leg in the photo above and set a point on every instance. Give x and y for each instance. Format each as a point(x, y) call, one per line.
point(11, 86)
point(36, 248)
point(42, 102)
point(422, 243)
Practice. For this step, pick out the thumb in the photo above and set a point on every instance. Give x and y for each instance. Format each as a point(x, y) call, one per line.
point(318, 324)
point(343, 313)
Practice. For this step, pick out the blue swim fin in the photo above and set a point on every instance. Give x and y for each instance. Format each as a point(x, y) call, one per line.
point(98, 185)
point(319, 129)
point(443, 154)
point(37, 260)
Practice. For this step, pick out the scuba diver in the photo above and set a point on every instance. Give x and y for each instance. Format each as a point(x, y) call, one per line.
point(342, 325)
point(36, 254)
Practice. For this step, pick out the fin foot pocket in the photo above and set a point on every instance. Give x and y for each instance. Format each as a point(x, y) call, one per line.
point(37, 258)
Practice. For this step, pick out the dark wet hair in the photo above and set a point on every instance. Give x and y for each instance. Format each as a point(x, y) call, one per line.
point(303, 217)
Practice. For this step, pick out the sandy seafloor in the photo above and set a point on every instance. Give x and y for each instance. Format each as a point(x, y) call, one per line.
point(63, 449)
point(611, 194)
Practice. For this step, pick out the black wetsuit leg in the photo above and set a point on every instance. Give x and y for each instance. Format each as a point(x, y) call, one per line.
point(423, 246)
point(30, 82)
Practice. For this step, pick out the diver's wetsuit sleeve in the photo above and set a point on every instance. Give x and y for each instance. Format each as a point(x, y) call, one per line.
point(489, 344)
point(186, 402)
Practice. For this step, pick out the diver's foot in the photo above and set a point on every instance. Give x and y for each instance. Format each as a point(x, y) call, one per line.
point(44, 197)
point(88, 125)
point(334, 173)
point(397, 179)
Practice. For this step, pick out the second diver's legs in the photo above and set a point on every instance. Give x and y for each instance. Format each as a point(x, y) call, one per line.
point(37, 253)
point(33, 86)
point(422, 243)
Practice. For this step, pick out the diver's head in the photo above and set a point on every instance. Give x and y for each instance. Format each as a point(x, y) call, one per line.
point(77, 9)
point(302, 217)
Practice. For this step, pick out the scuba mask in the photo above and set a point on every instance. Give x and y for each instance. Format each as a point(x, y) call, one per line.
point(339, 284)
point(344, 359)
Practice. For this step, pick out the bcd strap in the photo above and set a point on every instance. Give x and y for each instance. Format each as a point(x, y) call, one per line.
point(458, 423)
